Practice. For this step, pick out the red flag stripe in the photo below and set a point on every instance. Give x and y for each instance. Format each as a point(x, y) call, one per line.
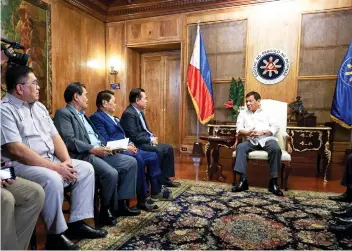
point(200, 95)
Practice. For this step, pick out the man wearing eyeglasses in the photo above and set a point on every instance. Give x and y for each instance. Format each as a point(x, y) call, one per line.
point(30, 140)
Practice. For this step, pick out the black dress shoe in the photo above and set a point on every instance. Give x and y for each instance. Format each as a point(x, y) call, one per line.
point(124, 210)
point(241, 186)
point(80, 230)
point(341, 228)
point(345, 197)
point(59, 242)
point(345, 213)
point(106, 218)
point(344, 220)
point(170, 183)
point(274, 188)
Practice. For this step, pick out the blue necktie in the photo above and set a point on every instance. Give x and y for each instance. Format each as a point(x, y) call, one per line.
point(81, 115)
point(144, 125)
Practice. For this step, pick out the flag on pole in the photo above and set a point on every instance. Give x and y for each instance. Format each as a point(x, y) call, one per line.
point(341, 109)
point(199, 81)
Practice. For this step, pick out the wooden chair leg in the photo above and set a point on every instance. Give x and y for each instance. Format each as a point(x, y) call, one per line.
point(233, 171)
point(33, 242)
point(282, 174)
point(288, 171)
point(96, 206)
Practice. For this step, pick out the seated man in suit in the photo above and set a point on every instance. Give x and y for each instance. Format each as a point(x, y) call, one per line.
point(259, 127)
point(109, 127)
point(136, 128)
point(30, 140)
point(344, 216)
point(84, 142)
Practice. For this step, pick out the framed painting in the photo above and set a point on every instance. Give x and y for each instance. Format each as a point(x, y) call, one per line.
point(29, 23)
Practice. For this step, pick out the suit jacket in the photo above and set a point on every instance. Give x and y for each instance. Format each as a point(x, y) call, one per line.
point(106, 127)
point(133, 127)
point(73, 132)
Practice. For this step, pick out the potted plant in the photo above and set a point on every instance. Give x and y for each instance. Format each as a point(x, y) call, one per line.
point(236, 96)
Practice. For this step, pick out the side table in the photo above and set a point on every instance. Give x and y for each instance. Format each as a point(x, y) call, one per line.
point(212, 148)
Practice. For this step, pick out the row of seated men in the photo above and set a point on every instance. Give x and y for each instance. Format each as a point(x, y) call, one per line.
point(69, 151)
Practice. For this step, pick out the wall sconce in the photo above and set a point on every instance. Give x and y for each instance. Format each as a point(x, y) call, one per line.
point(115, 65)
point(113, 71)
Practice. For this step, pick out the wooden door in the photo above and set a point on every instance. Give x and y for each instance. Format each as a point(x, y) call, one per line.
point(160, 78)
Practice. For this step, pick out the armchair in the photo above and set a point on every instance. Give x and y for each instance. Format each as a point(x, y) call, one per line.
point(285, 142)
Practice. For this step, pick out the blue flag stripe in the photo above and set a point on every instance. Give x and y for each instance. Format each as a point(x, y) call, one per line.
point(341, 109)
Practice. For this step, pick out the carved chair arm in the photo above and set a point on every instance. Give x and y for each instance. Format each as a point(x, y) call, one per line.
point(289, 143)
point(238, 139)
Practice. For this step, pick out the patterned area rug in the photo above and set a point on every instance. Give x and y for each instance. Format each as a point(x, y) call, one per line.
point(207, 215)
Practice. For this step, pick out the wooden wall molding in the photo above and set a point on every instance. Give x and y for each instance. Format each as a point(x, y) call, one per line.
point(94, 8)
point(152, 9)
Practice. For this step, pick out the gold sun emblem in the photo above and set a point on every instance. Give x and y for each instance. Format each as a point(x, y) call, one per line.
point(349, 66)
point(270, 67)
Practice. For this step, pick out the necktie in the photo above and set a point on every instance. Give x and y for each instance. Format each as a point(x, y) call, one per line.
point(144, 125)
point(81, 115)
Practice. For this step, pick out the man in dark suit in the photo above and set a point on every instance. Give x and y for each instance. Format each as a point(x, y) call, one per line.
point(109, 127)
point(84, 143)
point(136, 128)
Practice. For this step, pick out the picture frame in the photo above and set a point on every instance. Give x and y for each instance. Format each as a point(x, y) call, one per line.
point(28, 22)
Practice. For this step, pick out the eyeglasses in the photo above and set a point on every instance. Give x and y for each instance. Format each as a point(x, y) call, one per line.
point(34, 83)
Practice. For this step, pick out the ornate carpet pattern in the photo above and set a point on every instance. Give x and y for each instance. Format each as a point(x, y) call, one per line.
point(207, 215)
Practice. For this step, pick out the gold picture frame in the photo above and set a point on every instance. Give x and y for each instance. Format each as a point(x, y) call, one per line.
point(28, 22)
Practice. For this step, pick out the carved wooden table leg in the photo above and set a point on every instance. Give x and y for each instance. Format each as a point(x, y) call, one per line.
point(212, 148)
point(216, 167)
point(207, 153)
point(327, 155)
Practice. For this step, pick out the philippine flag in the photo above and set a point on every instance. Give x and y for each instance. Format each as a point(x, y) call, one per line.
point(199, 81)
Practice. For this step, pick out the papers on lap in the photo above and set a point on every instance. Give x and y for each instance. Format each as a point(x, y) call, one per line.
point(120, 144)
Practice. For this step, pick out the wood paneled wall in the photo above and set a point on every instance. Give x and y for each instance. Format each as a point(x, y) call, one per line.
point(115, 49)
point(270, 25)
point(154, 30)
point(77, 38)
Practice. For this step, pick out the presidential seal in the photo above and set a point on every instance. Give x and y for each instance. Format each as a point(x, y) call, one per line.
point(271, 66)
point(345, 73)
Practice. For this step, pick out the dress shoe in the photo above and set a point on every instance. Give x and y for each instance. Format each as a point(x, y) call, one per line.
point(149, 206)
point(274, 187)
point(124, 210)
point(165, 194)
point(345, 213)
point(241, 186)
point(345, 197)
point(341, 228)
point(80, 230)
point(59, 242)
point(344, 220)
point(106, 218)
point(170, 183)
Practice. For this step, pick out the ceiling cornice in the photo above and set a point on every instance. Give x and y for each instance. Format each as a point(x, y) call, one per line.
point(92, 7)
point(152, 9)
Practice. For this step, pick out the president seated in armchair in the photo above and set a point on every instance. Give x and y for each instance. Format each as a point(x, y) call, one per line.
point(258, 127)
